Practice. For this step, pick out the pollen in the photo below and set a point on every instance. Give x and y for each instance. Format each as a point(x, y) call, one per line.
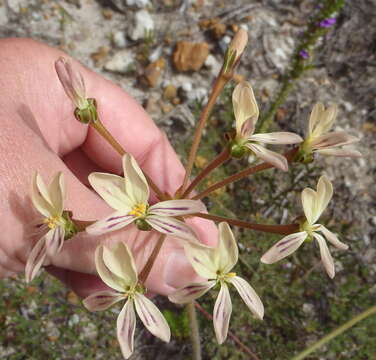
point(52, 221)
point(231, 274)
point(138, 210)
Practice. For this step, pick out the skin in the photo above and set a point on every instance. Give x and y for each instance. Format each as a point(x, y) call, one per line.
point(39, 133)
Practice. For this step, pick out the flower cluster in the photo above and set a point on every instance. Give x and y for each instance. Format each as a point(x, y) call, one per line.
point(130, 199)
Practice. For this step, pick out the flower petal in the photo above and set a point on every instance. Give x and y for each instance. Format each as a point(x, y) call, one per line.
point(55, 240)
point(332, 238)
point(271, 157)
point(136, 186)
point(309, 199)
point(249, 296)
point(119, 260)
point(72, 81)
point(40, 197)
point(222, 313)
point(227, 248)
point(109, 278)
point(152, 318)
point(325, 120)
point(316, 116)
point(332, 139)
point(203, 259)
point(102, 300)
point(284, 247)
point(340, 152)
point(326, 257)
point(126, 326)
point(114, 221)
point(281, 137)
point(245, 109)
point(57, 193)
point(112, 190)
point(177, 207)
point(191, 292)
point(324, 194)
point(171, 226)
point(35, 259)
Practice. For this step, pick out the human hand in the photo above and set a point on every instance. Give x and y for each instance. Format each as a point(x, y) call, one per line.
point(39, 133)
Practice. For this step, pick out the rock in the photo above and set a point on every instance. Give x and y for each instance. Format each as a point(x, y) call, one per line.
point(199, 94)
point(190, 56)
point(155, 54)
point(142, 26)
point(278, 49)
point(107, 13)
point(170, 92)
point(118, 39)
point(3, 15)
point(99, 56)
point(224, 42)
point(215, 26)
point(153, 72)
point(138, 3)
point(122, 62)
point(213, 64)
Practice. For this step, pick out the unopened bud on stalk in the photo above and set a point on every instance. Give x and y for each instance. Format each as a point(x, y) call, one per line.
point(74, 86)
point(235, 50)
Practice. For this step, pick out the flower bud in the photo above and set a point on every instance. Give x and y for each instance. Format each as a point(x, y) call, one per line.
point(235, 50)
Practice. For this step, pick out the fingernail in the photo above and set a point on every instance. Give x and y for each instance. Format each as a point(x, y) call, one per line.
point(178, 271)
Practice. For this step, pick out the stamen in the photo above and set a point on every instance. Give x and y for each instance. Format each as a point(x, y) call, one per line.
point(138, 210)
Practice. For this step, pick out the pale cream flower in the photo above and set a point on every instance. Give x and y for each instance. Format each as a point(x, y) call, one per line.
point(129, 197)
point(215, 265)
point(117, 269)
point(314, 203)
point(320, 140)
point(246, 115)
point(49, 201)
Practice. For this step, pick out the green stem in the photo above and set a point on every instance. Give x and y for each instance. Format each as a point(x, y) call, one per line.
point(195, 332)
point(220, 159)
point(274, 229)
point(336, 332)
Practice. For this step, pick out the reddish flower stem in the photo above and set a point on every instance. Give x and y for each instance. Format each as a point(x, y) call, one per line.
point(218, 86)
point(219, 160)
point(149, 264)
point(275, 229)
point(242, 174)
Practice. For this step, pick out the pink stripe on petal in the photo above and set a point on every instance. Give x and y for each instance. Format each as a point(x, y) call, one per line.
point(222, 313)
point(171, 226)
point(177, 207)
point(152, 318)
point(271, 157)
point(113, 222)
point(102, 300)
point(35, 259)
point(284, 247)
point(249, 296)
point(55, 240)
point(126, 326)
point(191, 292)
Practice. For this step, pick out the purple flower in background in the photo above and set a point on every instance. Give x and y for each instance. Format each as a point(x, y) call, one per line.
point(304, 54)
point(326, 23)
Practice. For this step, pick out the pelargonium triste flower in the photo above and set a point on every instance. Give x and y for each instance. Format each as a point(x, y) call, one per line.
point(49, 201)
point(320, 140)
point(116, 268)
point(129, 197)
point(215, 265)
point(314, 203)
point(246, 115)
